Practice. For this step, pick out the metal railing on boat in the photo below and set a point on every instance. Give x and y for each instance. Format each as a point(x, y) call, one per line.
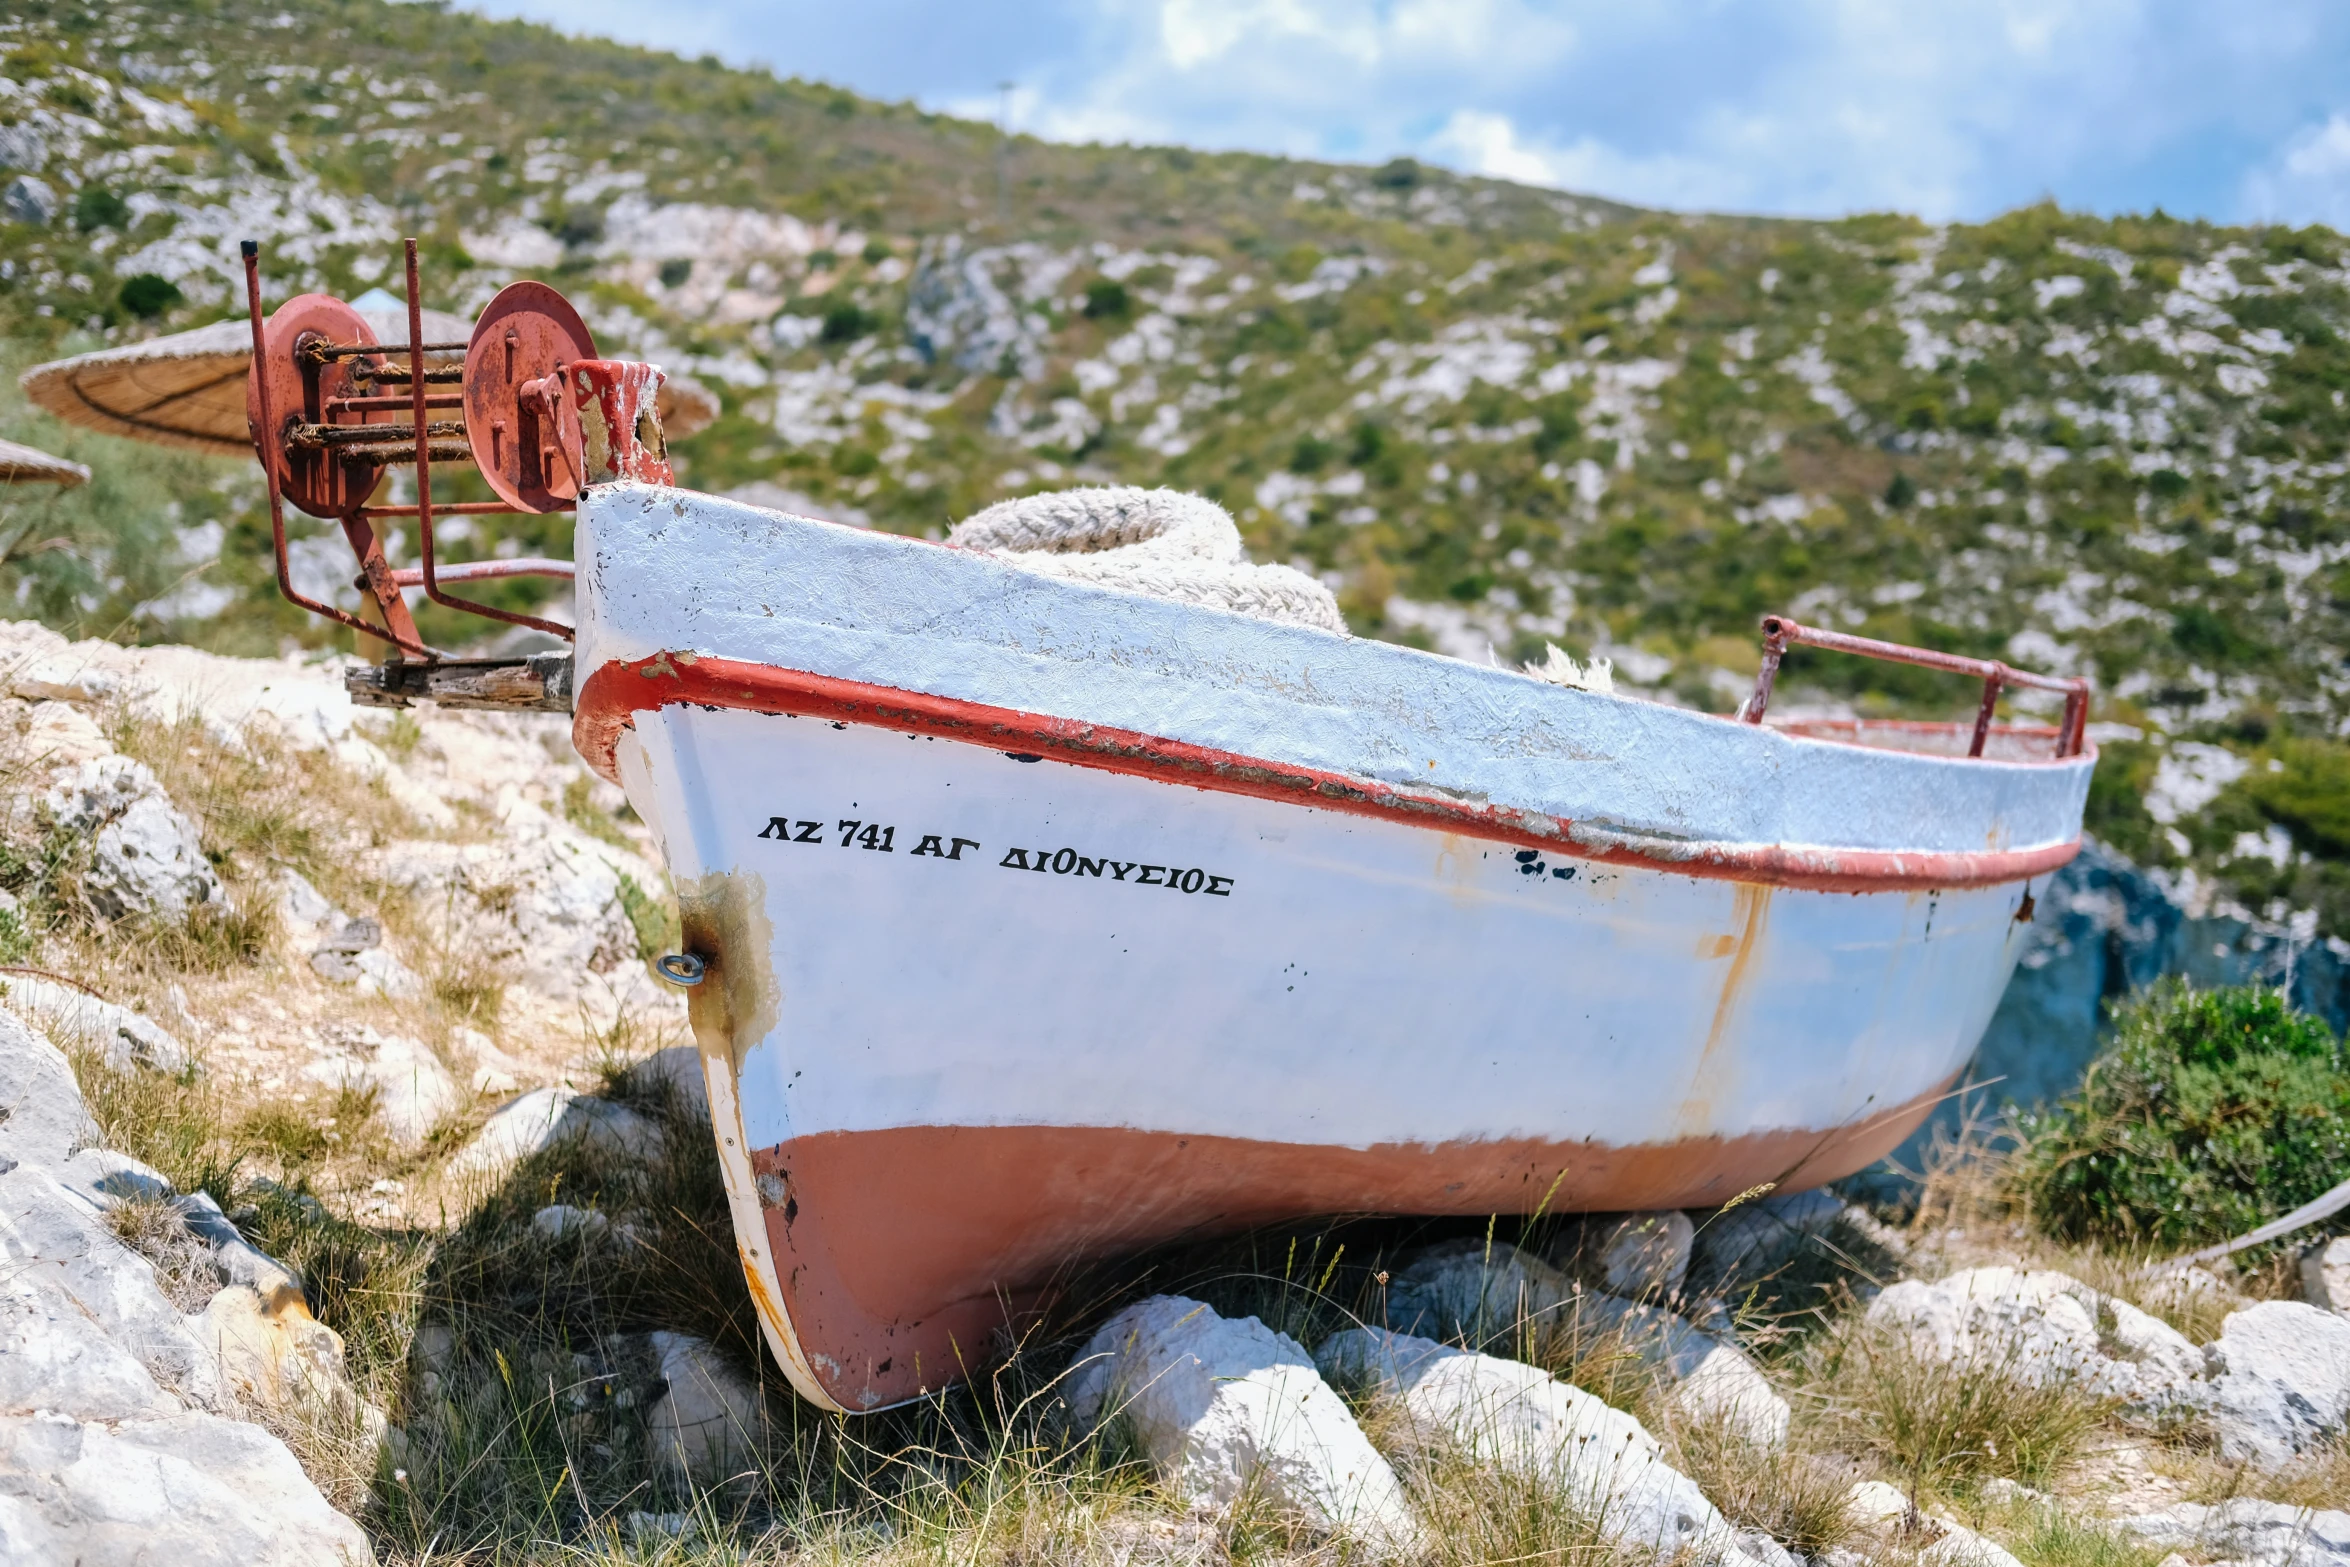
point(1780, 633)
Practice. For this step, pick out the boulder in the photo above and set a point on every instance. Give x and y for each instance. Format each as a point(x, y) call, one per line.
point(145, 856)
point(1228, 1409)
point(1485, 1296)
point(704, 1428)
point(55, 1356)
point(546, 1116)
point(46, 1234)
point(560, 1219)
point(2325, 1275)
point(676, 1071)
point(123, 1039)
point(61, 735)
point(1641, 1256)
point(1516, 1417)
point(1736, 1248)
point(541, 902)
point(190, 1489)
point(113, 1441)
point(2040, 1327)
point(2283, 1377)
point(42, 1118)
point(98, 1178)
point(27, 199)
point(414, 1091)
point(1884, 1511)
point(273, 1354)
point(2273, 1534)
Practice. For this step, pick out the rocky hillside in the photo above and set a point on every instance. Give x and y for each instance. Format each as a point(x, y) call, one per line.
point(1490, 417)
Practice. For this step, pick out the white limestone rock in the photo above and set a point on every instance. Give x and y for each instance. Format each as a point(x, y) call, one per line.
point(1480, 1295)
point(123, 1039)
point(189, 1489)
point(46, 1234)
point(678, 1070)
point(2272, 1534)
point(1884, 1511)
point(1227, 1407)
point(2283, 1376)
point(98, 1178)
point(705, 1425)
point(27, 199)
point(2040, 1327)
point(541, 900)
point(237, 1260)
point(42, 1118)
point(545, 1116)
point(560, 1219)
point(273, 1354)
point(1640, 1256)
point(2325, 1275)
point(1737, 1247)
point(414, 1091)
point(145, 856)
point(1517, 1417)
point(55, 1356)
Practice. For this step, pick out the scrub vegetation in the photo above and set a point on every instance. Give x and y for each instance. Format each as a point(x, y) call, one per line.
point(1492, 417)
point(2209, 1113)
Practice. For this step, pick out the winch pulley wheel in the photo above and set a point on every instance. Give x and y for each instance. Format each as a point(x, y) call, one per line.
point(332, 410)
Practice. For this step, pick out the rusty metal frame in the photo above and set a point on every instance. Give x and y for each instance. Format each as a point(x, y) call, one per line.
point(399, 627)
point(1780, 633)
point(430, 576)
point(424, 441)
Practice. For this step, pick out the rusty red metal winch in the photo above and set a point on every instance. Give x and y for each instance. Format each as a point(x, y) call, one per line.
point(526, 400)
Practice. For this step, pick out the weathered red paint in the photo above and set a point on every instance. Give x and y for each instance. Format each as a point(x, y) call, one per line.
point(614, 694)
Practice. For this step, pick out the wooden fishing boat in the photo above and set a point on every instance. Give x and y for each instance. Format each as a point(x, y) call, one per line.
point(1029, 922)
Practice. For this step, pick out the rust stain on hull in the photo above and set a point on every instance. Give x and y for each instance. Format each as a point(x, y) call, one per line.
point(738, 1002)
point(1751, 913)
point(913, 1248)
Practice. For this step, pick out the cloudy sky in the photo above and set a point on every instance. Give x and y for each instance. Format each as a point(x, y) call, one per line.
point(2233, 110)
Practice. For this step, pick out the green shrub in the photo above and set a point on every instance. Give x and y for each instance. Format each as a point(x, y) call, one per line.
point(148, 295)
point(2210, 1112)
point(1106, 299)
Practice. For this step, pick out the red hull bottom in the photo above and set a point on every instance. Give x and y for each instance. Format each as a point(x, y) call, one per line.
point(904, 1257)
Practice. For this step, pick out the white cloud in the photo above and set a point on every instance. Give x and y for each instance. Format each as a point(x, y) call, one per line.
point(1947, 108)
point(1476, 142)
point(2307, 181)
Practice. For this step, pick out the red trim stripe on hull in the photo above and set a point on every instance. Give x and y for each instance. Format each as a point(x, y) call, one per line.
point(616, 692)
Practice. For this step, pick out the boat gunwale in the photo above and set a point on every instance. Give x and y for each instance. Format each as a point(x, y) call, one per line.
point(611, 696)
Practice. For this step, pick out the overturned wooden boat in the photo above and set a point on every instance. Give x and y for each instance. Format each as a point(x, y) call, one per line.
point(1030, 921)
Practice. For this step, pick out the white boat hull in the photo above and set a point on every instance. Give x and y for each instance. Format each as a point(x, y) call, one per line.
point(994, 989)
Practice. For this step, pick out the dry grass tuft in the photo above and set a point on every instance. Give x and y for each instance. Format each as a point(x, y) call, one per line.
point(1473, 1515)
point(1943, 1424)
point(157, 1231)
point(1796, 1497)
point(2318, 1479)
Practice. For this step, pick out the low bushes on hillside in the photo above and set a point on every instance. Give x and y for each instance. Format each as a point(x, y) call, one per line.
point(2210, 1112)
